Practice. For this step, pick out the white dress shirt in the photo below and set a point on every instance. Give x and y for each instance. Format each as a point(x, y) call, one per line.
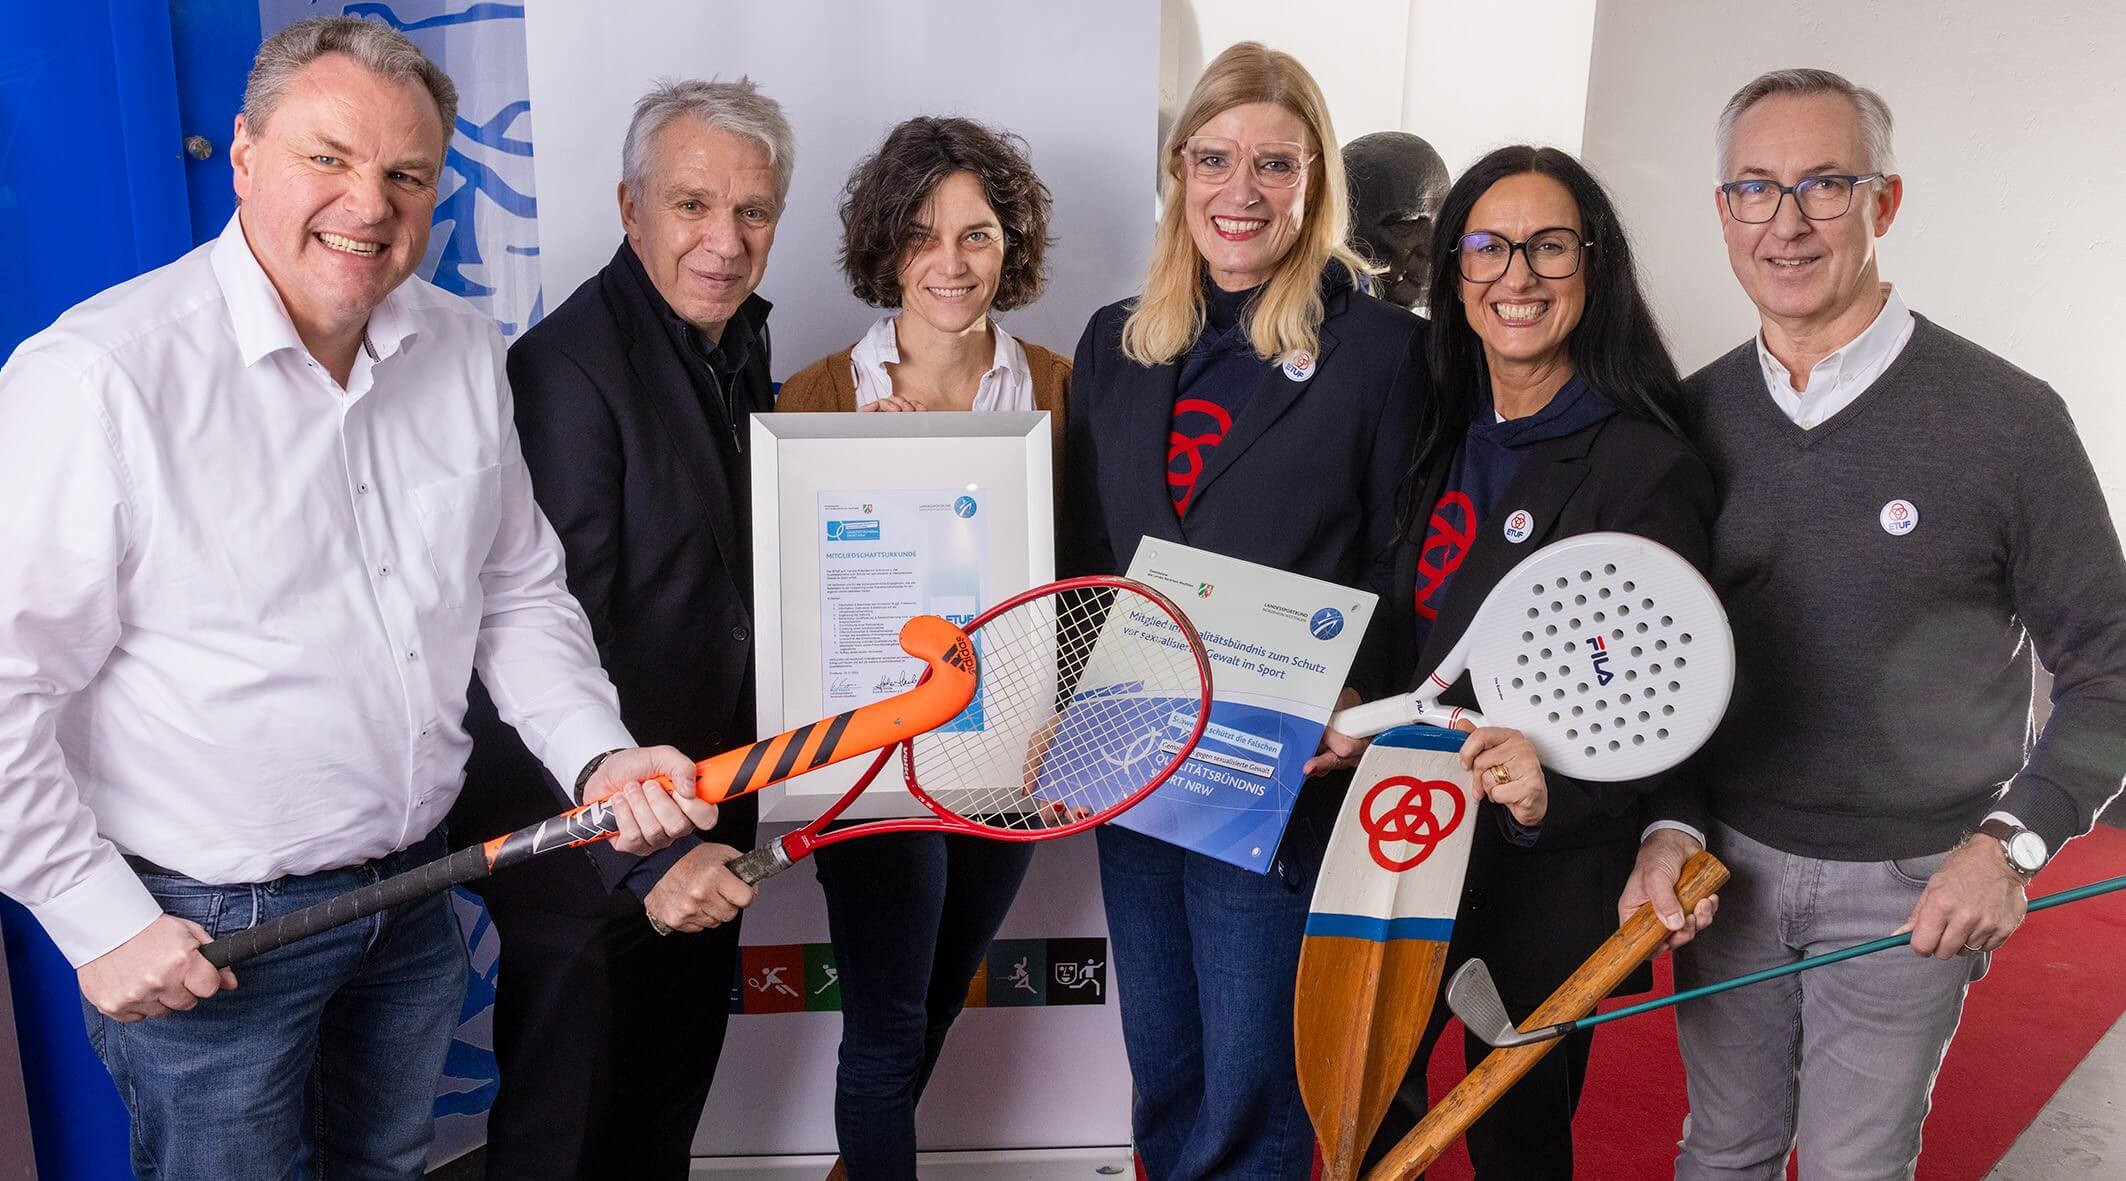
point(1834, 383)
point(240, 605)
point(1008, 384)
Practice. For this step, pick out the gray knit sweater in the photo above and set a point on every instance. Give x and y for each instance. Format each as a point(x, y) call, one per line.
point(1882, 702)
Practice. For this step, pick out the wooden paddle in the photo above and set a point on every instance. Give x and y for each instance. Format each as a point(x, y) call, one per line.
point(1376, 938)
point(1633, 944)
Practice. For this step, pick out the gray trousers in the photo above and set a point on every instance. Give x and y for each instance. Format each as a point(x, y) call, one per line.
point(1837, 1061)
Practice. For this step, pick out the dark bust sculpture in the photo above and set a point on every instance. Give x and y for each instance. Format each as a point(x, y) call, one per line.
point(1397, 181)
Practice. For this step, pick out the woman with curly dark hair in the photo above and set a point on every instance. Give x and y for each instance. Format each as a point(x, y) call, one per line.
point(944, 224)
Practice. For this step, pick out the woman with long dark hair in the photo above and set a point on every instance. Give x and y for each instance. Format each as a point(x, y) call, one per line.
point(1554, 413)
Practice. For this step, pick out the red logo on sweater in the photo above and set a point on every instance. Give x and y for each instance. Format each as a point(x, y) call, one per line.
point(1185, 453)
point(1447, 541)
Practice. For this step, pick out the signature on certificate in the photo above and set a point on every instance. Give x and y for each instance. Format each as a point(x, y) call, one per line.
point(895, 682)
point(842, 687)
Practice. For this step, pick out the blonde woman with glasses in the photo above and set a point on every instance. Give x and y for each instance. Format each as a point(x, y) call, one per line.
point(1252, 402)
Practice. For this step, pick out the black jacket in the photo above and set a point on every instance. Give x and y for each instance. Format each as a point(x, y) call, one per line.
point(1307, 479)
point(645, 487)
point(1536, 912)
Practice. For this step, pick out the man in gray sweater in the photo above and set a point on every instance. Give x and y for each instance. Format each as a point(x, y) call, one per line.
point(1905, 517)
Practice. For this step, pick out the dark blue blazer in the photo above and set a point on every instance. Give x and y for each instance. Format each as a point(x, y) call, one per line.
point(1308, 479)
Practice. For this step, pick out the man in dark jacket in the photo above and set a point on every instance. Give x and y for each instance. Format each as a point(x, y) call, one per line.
point(631, 400)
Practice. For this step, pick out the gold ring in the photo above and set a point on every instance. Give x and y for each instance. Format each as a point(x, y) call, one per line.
point(1979, 948)
point(1499, 774)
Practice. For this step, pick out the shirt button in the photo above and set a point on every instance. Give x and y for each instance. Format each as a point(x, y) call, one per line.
point(412, 657)
point(740, 634)
point(362, 489)
point(384, 571)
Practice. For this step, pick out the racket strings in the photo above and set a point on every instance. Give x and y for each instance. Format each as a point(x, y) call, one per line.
point(1606, 656)
point(1084, 697)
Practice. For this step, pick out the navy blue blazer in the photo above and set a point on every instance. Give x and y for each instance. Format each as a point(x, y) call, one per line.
point(1308, 479)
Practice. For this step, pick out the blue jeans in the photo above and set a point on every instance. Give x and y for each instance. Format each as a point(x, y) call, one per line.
point(321, 1063)
point(911, 916)
point(1206, 954)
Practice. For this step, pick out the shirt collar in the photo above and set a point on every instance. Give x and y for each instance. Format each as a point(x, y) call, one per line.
point(736, 343)
point(881, 346)
point(259, 319)
point(1873, 349)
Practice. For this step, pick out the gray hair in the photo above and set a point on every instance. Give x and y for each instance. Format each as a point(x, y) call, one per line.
point(1874, 113)
point(737, 107)
point(377, 47)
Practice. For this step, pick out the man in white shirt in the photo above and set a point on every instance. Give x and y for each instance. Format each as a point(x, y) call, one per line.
point(266, 513)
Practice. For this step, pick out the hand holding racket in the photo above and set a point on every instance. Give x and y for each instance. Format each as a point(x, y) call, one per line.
point(1093, 691)
point(1608, 651)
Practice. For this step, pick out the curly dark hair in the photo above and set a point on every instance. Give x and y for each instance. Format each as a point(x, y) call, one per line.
point(886, 193)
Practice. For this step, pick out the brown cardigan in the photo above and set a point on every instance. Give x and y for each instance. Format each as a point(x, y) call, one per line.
point(828, 384)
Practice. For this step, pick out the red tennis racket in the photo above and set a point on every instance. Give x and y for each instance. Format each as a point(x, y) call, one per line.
point(1120, 646)
point(1091, 692)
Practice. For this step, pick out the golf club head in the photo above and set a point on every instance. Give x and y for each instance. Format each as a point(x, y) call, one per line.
point(1475, 999)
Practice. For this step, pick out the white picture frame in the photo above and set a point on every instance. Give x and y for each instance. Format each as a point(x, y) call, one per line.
point(1005, 458)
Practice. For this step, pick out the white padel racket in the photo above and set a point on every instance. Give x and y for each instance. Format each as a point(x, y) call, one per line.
point(1609, 651)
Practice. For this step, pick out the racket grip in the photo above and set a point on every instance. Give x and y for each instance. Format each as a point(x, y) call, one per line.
point(761, 864)
point(1375, 717)
point(462, 866)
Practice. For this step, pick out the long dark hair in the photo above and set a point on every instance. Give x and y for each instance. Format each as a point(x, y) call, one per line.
point(1616, 346)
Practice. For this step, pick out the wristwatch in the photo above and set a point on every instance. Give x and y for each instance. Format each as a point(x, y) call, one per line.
point(591, 768)
point(2026, 850)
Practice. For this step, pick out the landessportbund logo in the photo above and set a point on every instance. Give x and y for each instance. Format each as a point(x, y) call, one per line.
point(963, 507)
point(1326, 623)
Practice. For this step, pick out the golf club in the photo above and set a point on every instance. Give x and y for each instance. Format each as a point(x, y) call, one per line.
point(1474, 996)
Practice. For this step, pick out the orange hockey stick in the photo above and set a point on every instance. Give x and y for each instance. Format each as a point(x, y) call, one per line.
point(947, 685)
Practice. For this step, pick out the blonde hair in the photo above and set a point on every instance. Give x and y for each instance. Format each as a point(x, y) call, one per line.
point(1286, 317)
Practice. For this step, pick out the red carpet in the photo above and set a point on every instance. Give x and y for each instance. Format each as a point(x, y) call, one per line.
point(2051, 993)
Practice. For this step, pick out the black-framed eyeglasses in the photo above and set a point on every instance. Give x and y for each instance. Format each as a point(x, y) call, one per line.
point(1819, 198)
point(1552, 253)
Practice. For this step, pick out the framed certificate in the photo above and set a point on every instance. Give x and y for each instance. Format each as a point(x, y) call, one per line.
point(861, 521)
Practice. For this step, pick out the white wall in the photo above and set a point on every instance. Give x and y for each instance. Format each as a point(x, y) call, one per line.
point(2011, 136)
point(1483, 75)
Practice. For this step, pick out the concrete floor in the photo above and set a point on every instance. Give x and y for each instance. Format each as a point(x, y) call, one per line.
point(2082, 1132)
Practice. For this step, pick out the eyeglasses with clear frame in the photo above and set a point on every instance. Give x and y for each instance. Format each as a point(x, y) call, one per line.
point(1275, 164)
point(1756, 200)
point(1554, 253)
